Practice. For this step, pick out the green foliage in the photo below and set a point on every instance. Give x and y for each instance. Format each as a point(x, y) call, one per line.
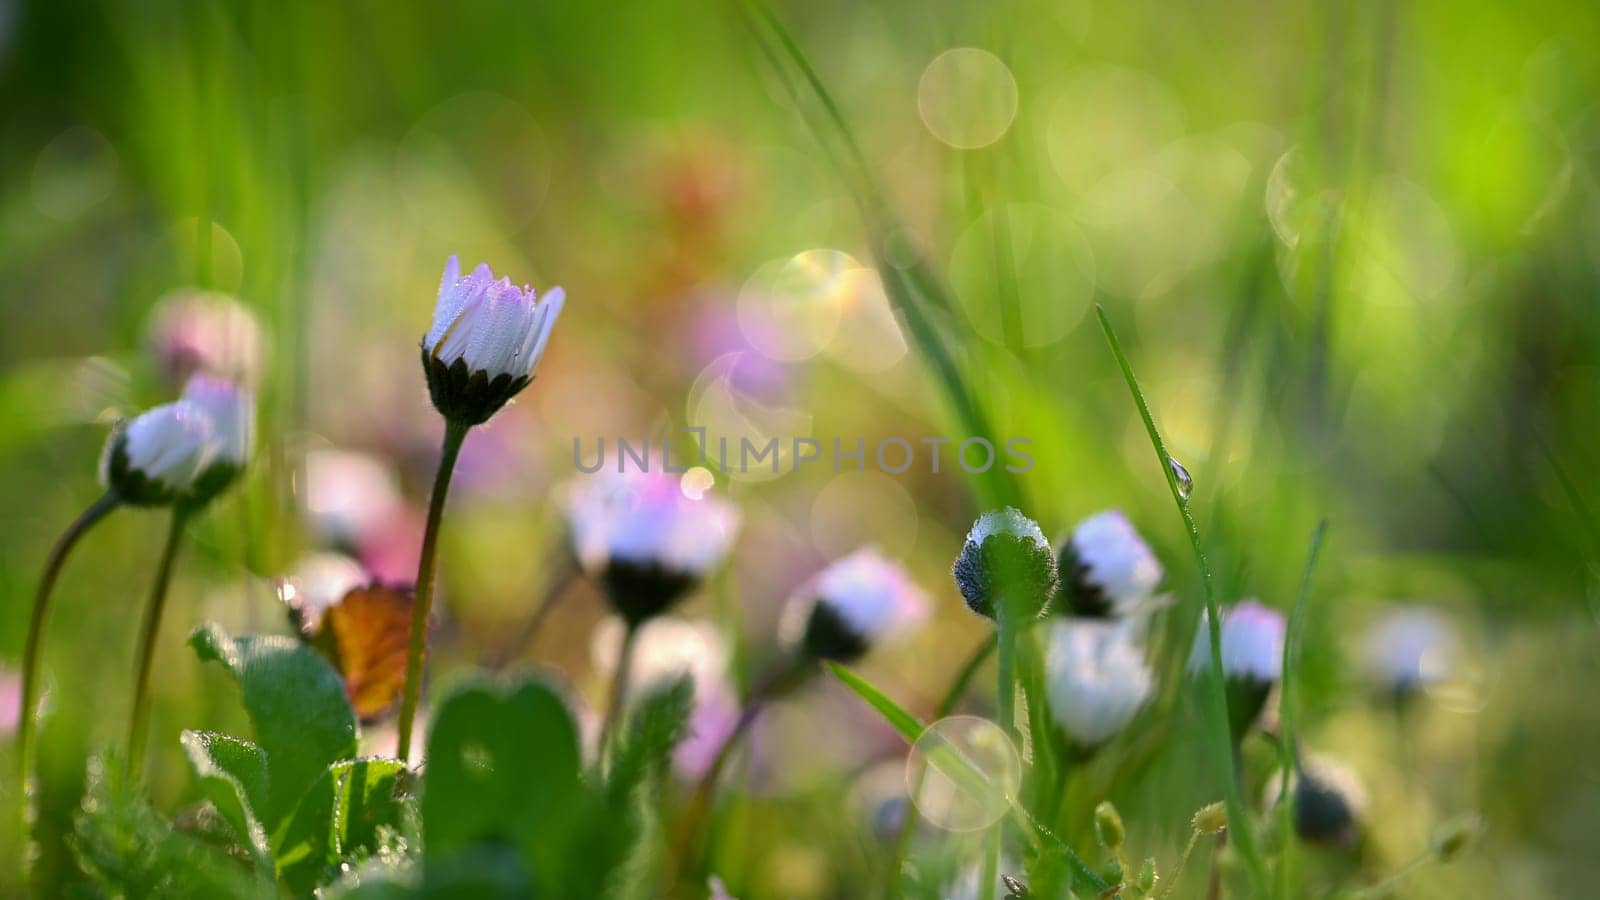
point(301, 830)
point(233, 775)
point(503, 768)
point(340, 818)
point(297, 705)
point(127, 849)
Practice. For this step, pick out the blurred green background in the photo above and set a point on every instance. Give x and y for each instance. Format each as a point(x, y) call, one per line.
point(1353, 248)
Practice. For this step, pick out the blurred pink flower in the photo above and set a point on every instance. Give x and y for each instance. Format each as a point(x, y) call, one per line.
point(199, 331)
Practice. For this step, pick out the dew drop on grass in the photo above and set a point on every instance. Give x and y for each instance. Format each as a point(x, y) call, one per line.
point(963, 773)
point(1182, 476)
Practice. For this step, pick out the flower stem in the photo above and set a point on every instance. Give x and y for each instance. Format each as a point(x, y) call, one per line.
point(139, 724)
point(619, 685)
point(1221, 738)
point(454, 434)
point(1006, 703)
point(27, 728)
point(783, 681)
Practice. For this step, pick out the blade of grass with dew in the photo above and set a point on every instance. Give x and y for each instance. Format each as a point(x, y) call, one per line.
point(1288, 722)
point(1217, 700)
point(911, 728)
point(912, 289)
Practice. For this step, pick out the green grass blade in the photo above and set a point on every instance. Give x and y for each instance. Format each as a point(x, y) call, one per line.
point(1287, 712)
point(902, 720)
point(913, 289)
point(1216, 695)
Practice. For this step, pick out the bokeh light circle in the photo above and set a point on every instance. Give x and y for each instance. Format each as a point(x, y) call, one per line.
point(1054, 267)
point(967, 98)
point(790, 310)
point(866, 507)
point(963, 773)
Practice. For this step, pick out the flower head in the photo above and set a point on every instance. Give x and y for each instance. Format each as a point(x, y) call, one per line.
point(853, 604)
point(1006, 566)
point(158, 457)
point(1106, 568)
point(1252, 643)
point(486, 341)
point(1330, 802)
point(1252, 659)
point(199, 331)
point(1409, 648)
point(647, 541)
point(1096, 678)
point(232, 410)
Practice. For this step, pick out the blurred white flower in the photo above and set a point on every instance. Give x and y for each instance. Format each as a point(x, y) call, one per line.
point(1252, 643)
point(646, 540)
point(157, 457)
point(1409, 648)
point(1106, 567)
point(199, 331)
point(486, 341)
point(1096, 678)
point(853, 604)
point(666, 648)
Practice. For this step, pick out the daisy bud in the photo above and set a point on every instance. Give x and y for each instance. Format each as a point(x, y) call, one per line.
point(1006, 566)
point(232, 410)
point(1108, 828)
point(852, 605)
point(1210, 819)
point(1252, 659)
point(156, 458)
point(1410, 648)
point(646, 541)
point(1106, 569)
point(1095, 677)
point(1329, 802)
point(486, 341)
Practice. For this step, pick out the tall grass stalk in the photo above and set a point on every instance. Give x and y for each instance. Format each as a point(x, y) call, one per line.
point(1220, 739)
point(1288, 712)
point(912, 288)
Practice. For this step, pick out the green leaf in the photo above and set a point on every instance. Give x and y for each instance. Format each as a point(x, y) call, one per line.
point(909, 726)
point(296, 701)
point(658, 722)
point(621, 837)
point(503, 768)
point(126, 848)
point(339, 819)
point(233, 776)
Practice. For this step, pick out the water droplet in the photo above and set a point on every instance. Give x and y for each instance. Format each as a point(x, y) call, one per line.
point(1182, 476)
point(963, 773)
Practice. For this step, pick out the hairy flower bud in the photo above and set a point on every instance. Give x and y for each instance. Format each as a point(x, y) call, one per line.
point(486, 342)
point(1108, 828)
point(1005, 566)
